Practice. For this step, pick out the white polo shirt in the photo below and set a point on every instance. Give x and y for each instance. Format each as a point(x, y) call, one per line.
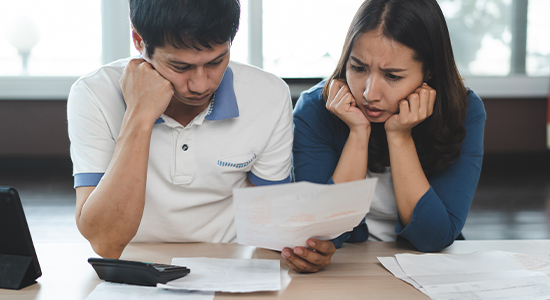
point(246, 131)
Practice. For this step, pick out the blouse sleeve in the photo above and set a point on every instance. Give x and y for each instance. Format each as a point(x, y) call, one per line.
point(315, 151)
point(440, 214)
point(319, 138)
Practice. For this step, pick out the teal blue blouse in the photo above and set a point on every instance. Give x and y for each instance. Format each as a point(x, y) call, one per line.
point(439, 215)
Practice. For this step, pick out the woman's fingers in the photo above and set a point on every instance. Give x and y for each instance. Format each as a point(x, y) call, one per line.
point(335, 88)
point(431, 101)
point(427, 100)
point(421, 103)
point(337, 100)
point(417, 107)
point(342, 104)
point(413, 107)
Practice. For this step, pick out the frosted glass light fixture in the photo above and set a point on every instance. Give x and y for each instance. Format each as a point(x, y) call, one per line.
point(23, 34)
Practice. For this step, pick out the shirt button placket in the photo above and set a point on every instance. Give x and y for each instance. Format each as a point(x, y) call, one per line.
point(184, 168)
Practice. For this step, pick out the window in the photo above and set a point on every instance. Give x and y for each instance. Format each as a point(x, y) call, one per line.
point(305, 38)
point(499, 37)
point(499, 44)
point(63, 36)
point(481, 33)
point(538, 43)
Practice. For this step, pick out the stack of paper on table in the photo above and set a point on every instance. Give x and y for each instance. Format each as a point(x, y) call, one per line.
point(207, 276)
point(120, 291)
point(286, 215)
point(480, 275)
point(227, 275)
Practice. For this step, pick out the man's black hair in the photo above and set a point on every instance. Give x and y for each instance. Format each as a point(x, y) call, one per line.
point(184, 24)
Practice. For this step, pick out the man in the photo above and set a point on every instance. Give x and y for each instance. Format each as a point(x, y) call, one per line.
point(158, 143)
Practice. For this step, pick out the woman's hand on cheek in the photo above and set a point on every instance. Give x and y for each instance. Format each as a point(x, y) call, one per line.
point(412, 111)
point(305, 260)
point(342, 103)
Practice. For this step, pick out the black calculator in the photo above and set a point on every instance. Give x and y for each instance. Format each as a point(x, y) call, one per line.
point(136, 272)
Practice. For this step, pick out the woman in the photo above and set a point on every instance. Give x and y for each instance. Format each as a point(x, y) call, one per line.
point(395, 108)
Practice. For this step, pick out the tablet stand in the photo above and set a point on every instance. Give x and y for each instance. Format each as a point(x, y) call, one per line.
point(15, 271)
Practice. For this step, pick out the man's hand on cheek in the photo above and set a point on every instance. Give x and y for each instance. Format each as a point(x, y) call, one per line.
point(146, 92)
point(309, 260)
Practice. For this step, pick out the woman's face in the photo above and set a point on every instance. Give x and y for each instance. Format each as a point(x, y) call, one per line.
point(380, 72)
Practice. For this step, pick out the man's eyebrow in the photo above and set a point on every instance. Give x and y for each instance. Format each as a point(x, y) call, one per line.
point(387, 70)
point(177, 62)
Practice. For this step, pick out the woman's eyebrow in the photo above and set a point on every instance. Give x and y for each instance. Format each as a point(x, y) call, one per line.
point(387, 70)
point(358, 61)
point(392, 70)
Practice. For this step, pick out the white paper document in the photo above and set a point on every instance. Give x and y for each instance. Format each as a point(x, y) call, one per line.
point(391, 264)
point(532, 286)
point(227, 275)
point(118, 291)
point(479, 275)
point(286, 215)
point(533, 263)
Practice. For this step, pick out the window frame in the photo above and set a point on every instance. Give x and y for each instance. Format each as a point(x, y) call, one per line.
point(115, 27)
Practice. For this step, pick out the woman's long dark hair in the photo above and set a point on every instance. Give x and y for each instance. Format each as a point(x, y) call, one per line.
point(419, 25)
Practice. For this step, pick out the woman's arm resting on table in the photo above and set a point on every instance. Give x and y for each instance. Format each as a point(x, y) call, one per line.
point(440, 214)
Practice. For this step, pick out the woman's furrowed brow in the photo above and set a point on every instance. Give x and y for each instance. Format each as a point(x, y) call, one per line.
point(387, 70)
point(358, 61)
point(392, 70)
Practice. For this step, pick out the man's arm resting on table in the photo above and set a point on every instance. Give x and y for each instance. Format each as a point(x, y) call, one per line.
point(107, 243)
point(109, 215)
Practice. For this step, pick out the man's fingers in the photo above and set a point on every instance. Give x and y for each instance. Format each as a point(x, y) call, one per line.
point(134, 63)
point(309, 260)
point(297, 263)
point(324, 247)
point(316, 258)
point(290, 263)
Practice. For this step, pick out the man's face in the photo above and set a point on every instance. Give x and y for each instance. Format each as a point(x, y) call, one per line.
point(195, 74)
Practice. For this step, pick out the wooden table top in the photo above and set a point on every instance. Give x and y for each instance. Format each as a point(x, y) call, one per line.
point(354, 273)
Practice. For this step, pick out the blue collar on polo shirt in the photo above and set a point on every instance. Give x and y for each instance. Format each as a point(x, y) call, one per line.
point(225, 101)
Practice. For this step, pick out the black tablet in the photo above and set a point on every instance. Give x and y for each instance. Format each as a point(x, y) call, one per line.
point(19, 265)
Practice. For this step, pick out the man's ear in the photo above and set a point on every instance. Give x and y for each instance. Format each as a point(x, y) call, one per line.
point(138, 41)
